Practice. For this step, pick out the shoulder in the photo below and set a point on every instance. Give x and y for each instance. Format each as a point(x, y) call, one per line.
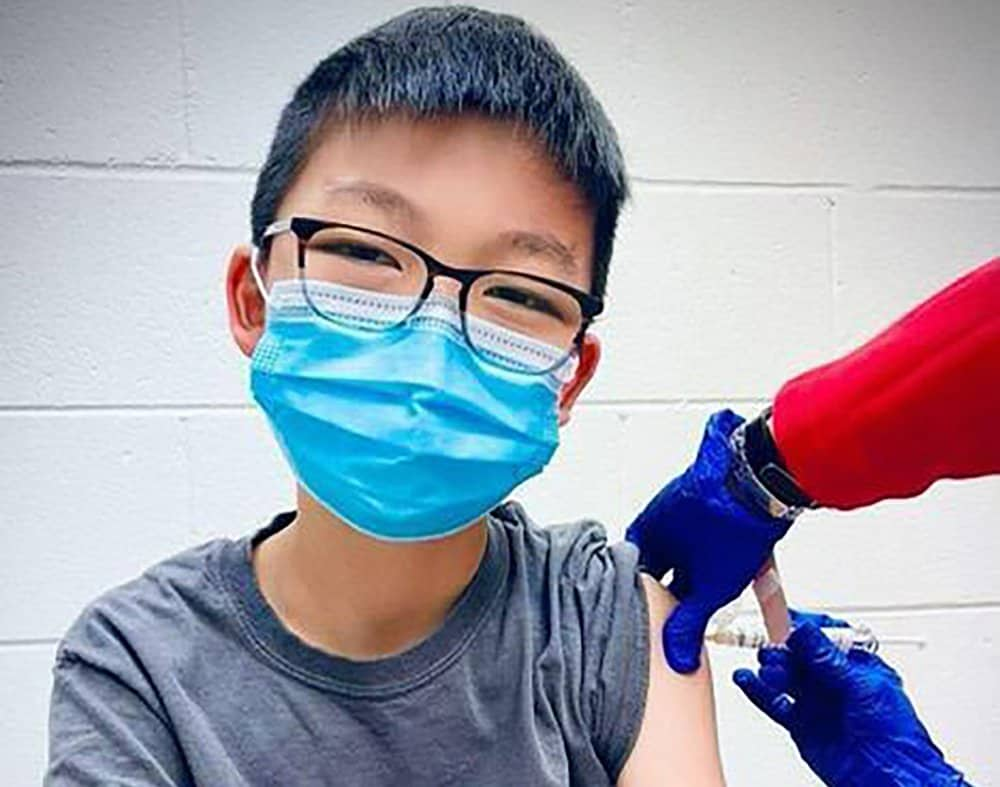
point(152, 607)
point(574, 551)
point(591, 605)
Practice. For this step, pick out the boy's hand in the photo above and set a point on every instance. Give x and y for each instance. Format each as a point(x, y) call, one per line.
point(714, 544)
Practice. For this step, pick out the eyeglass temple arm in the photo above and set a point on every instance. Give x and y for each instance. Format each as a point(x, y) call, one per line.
point(284, 225)
point(255, 254)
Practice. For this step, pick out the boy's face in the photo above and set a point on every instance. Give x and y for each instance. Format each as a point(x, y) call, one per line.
point(462, 185)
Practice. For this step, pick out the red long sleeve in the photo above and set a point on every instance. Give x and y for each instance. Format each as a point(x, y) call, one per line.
point(918, 402)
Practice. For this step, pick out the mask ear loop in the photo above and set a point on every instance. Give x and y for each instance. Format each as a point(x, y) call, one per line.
point(254, 260)
point(566, 370)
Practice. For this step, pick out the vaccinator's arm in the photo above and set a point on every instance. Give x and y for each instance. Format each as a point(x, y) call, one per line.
point(917, 403)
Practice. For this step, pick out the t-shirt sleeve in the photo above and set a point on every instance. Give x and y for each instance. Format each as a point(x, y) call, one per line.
point(605, 606)
point(104, 724)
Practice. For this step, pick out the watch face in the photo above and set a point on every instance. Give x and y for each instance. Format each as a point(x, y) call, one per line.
point(782, 486)
point(748, 488)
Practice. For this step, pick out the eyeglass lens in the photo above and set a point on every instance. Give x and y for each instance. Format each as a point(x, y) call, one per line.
point(367, 262)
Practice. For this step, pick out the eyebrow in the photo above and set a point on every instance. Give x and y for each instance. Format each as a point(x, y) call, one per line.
point(383, 198)
point(540, 243)
point(394, 204)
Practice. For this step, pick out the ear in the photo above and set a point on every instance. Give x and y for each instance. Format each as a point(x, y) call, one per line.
point(590, 354)
point(244, 301)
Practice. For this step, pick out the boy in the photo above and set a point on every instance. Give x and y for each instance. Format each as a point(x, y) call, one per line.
point(432, 230)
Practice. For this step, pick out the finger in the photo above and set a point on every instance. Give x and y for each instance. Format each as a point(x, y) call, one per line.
point(652, 558)
point(680, 585)
point(770, 654)
point(766, 566)
point(817, 656)
point(773, 704)
point(872, 664)
point(777, 677)
point(652, 562)
point(684, 636)
point(776, 669)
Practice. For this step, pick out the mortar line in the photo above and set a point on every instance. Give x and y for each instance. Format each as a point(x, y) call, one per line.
point(182, 171)
point(185, 78)
point(26, 642)
point(746, 186)
point(925, 190)
point(194, 408)
point(832, 267)
point(904, 608)
point(122, 408)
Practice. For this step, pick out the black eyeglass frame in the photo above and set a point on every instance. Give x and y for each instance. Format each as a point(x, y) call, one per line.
point(304, 227)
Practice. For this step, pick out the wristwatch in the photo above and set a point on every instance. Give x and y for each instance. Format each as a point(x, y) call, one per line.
point(759, 474)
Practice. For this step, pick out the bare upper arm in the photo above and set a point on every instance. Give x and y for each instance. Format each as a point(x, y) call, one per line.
point(677, 742)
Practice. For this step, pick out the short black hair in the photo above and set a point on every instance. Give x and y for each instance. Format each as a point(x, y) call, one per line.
point(435, 61)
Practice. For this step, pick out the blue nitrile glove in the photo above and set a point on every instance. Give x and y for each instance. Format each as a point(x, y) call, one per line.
point(846, 712)
point(714, 543)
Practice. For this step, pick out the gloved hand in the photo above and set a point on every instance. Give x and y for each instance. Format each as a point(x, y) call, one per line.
point(714, 543)
point(846, 712)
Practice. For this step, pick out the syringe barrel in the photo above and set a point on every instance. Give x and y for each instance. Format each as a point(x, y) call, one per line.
point(860, 638)
point(845, 639)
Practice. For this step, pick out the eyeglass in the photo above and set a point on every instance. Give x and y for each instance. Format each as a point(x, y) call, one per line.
point(524, 304)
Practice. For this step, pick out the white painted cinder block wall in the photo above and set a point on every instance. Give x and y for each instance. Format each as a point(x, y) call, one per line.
point(803, 172)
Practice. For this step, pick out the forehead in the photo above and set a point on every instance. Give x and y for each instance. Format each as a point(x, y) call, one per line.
point(470, 180)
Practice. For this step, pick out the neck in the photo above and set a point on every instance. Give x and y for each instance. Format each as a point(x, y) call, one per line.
point(357, 596)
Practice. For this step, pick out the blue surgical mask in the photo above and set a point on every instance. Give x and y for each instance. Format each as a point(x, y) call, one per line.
point(406, 433)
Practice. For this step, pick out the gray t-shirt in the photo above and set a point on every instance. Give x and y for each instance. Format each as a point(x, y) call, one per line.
point(185, 675)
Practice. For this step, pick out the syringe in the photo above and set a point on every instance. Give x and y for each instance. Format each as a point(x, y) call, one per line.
point(860, 637)
point(770, 595)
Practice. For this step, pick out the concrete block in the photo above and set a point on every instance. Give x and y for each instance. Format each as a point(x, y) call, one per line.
point(103, 86)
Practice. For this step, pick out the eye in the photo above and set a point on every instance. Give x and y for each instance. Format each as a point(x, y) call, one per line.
point(523, 297)
point(360, 252)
